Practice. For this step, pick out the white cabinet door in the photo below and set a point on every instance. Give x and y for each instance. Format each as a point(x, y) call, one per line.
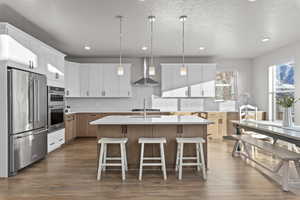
point(72, 84)
point(125, 82)
point(209, 77)
point(110, 80)
point(55, 68)
point(95, 80)
point(173, 83)
point(17, 47)
point(195, 73)
point(84, 80)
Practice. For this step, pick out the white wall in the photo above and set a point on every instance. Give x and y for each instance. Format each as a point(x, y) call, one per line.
point(242, 66)
point(260, 71)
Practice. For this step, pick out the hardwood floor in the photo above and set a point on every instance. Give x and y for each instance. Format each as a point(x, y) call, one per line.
point(70, 173)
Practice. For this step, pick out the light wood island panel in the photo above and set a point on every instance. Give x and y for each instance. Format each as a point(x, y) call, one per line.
point(170, 132)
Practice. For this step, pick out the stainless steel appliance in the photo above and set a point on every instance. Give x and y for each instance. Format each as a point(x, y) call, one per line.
point(27, 124)
point(56, 106)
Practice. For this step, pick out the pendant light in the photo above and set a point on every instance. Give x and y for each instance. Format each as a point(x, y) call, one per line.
point(151, 66)
point(120, 68)
point(183, 68)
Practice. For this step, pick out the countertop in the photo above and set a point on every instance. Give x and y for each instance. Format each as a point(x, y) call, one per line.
point(137, 112)
point(150, 120)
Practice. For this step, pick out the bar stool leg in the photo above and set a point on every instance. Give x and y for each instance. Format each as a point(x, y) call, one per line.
point(100, 162)
point(180, 161)
point(141, 162)
point(125, 153)
point(198, 157)
point(123, 160)
point(104, 157)
point(163, 161)
point(177, 157)
point(202, 161)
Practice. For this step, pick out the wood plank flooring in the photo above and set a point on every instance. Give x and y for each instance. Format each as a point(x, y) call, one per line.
point(70, 174)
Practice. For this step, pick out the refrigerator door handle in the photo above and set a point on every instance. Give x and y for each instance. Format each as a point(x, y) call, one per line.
point(36, 99)
point(31, 102)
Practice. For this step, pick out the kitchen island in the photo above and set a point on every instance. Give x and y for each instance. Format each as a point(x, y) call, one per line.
point(135, 126)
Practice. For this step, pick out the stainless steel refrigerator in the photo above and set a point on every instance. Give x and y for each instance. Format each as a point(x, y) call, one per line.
point(27, 114)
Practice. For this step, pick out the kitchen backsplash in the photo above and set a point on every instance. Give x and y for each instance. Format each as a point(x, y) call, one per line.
point(153, 101)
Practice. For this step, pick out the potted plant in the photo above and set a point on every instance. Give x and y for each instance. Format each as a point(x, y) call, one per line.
point(287, 103)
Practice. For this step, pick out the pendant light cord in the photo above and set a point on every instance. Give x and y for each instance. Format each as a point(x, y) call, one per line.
point(151, 40)
point(121, 34)
point(183, 50)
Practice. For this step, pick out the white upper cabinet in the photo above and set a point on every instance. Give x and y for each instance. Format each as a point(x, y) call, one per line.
point(202, 80)
point(84, 76)
point(173, 83)
point(72, 84)
point(199, 81)
point(110, 80)
point(98, 80)
point(95, 80)
point(32, 54)
point(16, 47)
point(55, 65)
point(125, 82)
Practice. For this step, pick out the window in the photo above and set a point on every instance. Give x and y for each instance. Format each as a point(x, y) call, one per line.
point(281, 83)
point(226, 86)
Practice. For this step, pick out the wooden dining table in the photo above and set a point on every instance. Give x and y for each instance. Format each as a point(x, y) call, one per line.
point(272, 129)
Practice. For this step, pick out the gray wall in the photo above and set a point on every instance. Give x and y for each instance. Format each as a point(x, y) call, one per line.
point(242, 66)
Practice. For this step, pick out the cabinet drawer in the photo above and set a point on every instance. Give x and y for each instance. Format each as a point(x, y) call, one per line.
point(56, 139)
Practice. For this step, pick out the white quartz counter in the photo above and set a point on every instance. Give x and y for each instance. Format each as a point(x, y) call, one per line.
point(149, 120)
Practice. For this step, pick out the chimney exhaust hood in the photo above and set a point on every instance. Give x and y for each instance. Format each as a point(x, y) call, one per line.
point(146, 81)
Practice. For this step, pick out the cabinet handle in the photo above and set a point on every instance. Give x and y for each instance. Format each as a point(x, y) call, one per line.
point(67, 92)
point(128, 93)
point(52, 143)
point(56, 75)
point(187, 93)
point(87, 93)
point(29, 64)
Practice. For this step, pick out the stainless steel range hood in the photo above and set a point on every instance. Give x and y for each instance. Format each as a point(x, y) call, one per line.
point(146, 81)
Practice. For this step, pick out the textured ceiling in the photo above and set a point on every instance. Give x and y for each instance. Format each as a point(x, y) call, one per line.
point(227, 28)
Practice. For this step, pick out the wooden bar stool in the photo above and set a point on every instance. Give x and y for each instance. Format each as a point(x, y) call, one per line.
point(200, 160)
point(162, 163)
point(103, 155)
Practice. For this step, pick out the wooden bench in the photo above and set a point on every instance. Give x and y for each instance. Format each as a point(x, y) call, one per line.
point(243, 146)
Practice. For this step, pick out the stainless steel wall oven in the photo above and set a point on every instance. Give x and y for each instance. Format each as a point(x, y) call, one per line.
point(56, 106)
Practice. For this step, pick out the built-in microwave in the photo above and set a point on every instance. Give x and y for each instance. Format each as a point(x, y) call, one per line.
point(56, 108)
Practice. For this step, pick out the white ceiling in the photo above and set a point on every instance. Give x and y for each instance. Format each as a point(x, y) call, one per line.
point(227, 28)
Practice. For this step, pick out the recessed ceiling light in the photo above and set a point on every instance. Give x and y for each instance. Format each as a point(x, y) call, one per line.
point(87, 48)
point(265, 39)
point(144, 48)
point(251, 0)
point(201, 48)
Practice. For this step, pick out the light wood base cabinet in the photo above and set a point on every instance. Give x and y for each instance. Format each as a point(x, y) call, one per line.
point(70, 127)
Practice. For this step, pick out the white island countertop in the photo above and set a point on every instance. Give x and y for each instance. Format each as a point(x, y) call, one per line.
point(150, 120)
